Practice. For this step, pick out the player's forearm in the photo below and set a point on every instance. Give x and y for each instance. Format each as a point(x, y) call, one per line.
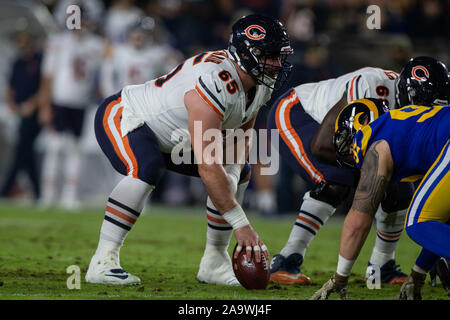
point(219, 186)
point(323, 151)
point(239, 145)
point(354, 233)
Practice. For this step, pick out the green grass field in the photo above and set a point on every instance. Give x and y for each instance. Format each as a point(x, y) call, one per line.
point(164, 250)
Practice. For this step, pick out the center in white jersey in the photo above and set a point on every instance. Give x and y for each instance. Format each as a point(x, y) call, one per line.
point(159, 103)
point(319, 97)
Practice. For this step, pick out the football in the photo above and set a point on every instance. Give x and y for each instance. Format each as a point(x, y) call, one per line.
point(251, 274)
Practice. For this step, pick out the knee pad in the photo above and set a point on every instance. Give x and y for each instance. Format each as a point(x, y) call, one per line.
point(398, 196)
point(332, 194)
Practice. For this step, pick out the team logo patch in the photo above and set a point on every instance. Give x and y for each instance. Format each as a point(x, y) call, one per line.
point(255, 32)
point(420, 73)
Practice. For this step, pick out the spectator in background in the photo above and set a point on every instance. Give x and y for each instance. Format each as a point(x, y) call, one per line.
point(21, 98)
point(399, 52)
point(71, 63)
point(119, 18)
point(429, 19)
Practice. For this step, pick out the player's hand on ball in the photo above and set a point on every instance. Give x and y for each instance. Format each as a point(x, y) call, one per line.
point(248, 239)
point(337, 284)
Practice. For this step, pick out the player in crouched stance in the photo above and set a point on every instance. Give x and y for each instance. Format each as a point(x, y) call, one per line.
point(305, 117)
point(410, 143)
point(220, 90)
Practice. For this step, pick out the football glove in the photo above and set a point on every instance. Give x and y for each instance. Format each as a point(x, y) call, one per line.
point(442, 269)
point(412, 288)
point(337, 284)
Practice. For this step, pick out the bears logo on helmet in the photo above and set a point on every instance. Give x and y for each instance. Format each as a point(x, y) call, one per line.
point(255, 32)
point(254, 40)
point(351, 119)
point(423, 81)
point(414, 73)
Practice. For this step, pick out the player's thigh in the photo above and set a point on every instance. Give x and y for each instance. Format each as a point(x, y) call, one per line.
point(431, 200)
point(186, 165)
point(295, 131)
point(137, 154)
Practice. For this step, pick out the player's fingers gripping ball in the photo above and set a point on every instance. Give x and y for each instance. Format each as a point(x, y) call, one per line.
point(250, 273)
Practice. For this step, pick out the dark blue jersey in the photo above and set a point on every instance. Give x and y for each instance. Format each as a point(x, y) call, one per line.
point(415, 134)
point(25, 77)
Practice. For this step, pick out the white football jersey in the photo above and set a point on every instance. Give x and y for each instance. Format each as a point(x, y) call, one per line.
point(117, 21)
point(160, 103)
point(319, 97)
point(128, 66)
point(73, 63)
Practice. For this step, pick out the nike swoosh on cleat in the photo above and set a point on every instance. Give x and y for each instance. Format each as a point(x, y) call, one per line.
point(295, 277)
point(117, 276)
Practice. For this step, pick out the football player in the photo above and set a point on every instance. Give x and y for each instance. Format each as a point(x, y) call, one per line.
point(297, 115)
point(71, 63)
point(138, 60)
point(136, 128)
point(407, 144)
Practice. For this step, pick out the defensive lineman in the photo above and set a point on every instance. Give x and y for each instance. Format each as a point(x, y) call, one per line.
point(297, 115)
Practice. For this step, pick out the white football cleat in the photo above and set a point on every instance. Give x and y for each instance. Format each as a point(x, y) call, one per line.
point(215, 267)
point(107, 270)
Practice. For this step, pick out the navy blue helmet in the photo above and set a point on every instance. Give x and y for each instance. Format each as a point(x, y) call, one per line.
point(423, 81)
point(255, 38)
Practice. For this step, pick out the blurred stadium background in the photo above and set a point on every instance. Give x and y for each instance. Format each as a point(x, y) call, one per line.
point(330, 37)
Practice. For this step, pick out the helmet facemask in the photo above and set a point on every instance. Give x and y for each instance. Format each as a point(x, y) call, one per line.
point(274, 76)
point(342, 140)
point(352, 118)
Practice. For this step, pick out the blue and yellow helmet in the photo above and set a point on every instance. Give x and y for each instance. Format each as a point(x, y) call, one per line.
point(351, 119)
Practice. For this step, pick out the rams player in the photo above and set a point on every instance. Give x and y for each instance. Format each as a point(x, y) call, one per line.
point(408, 144)
point(136, 128)
point(297, 116)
